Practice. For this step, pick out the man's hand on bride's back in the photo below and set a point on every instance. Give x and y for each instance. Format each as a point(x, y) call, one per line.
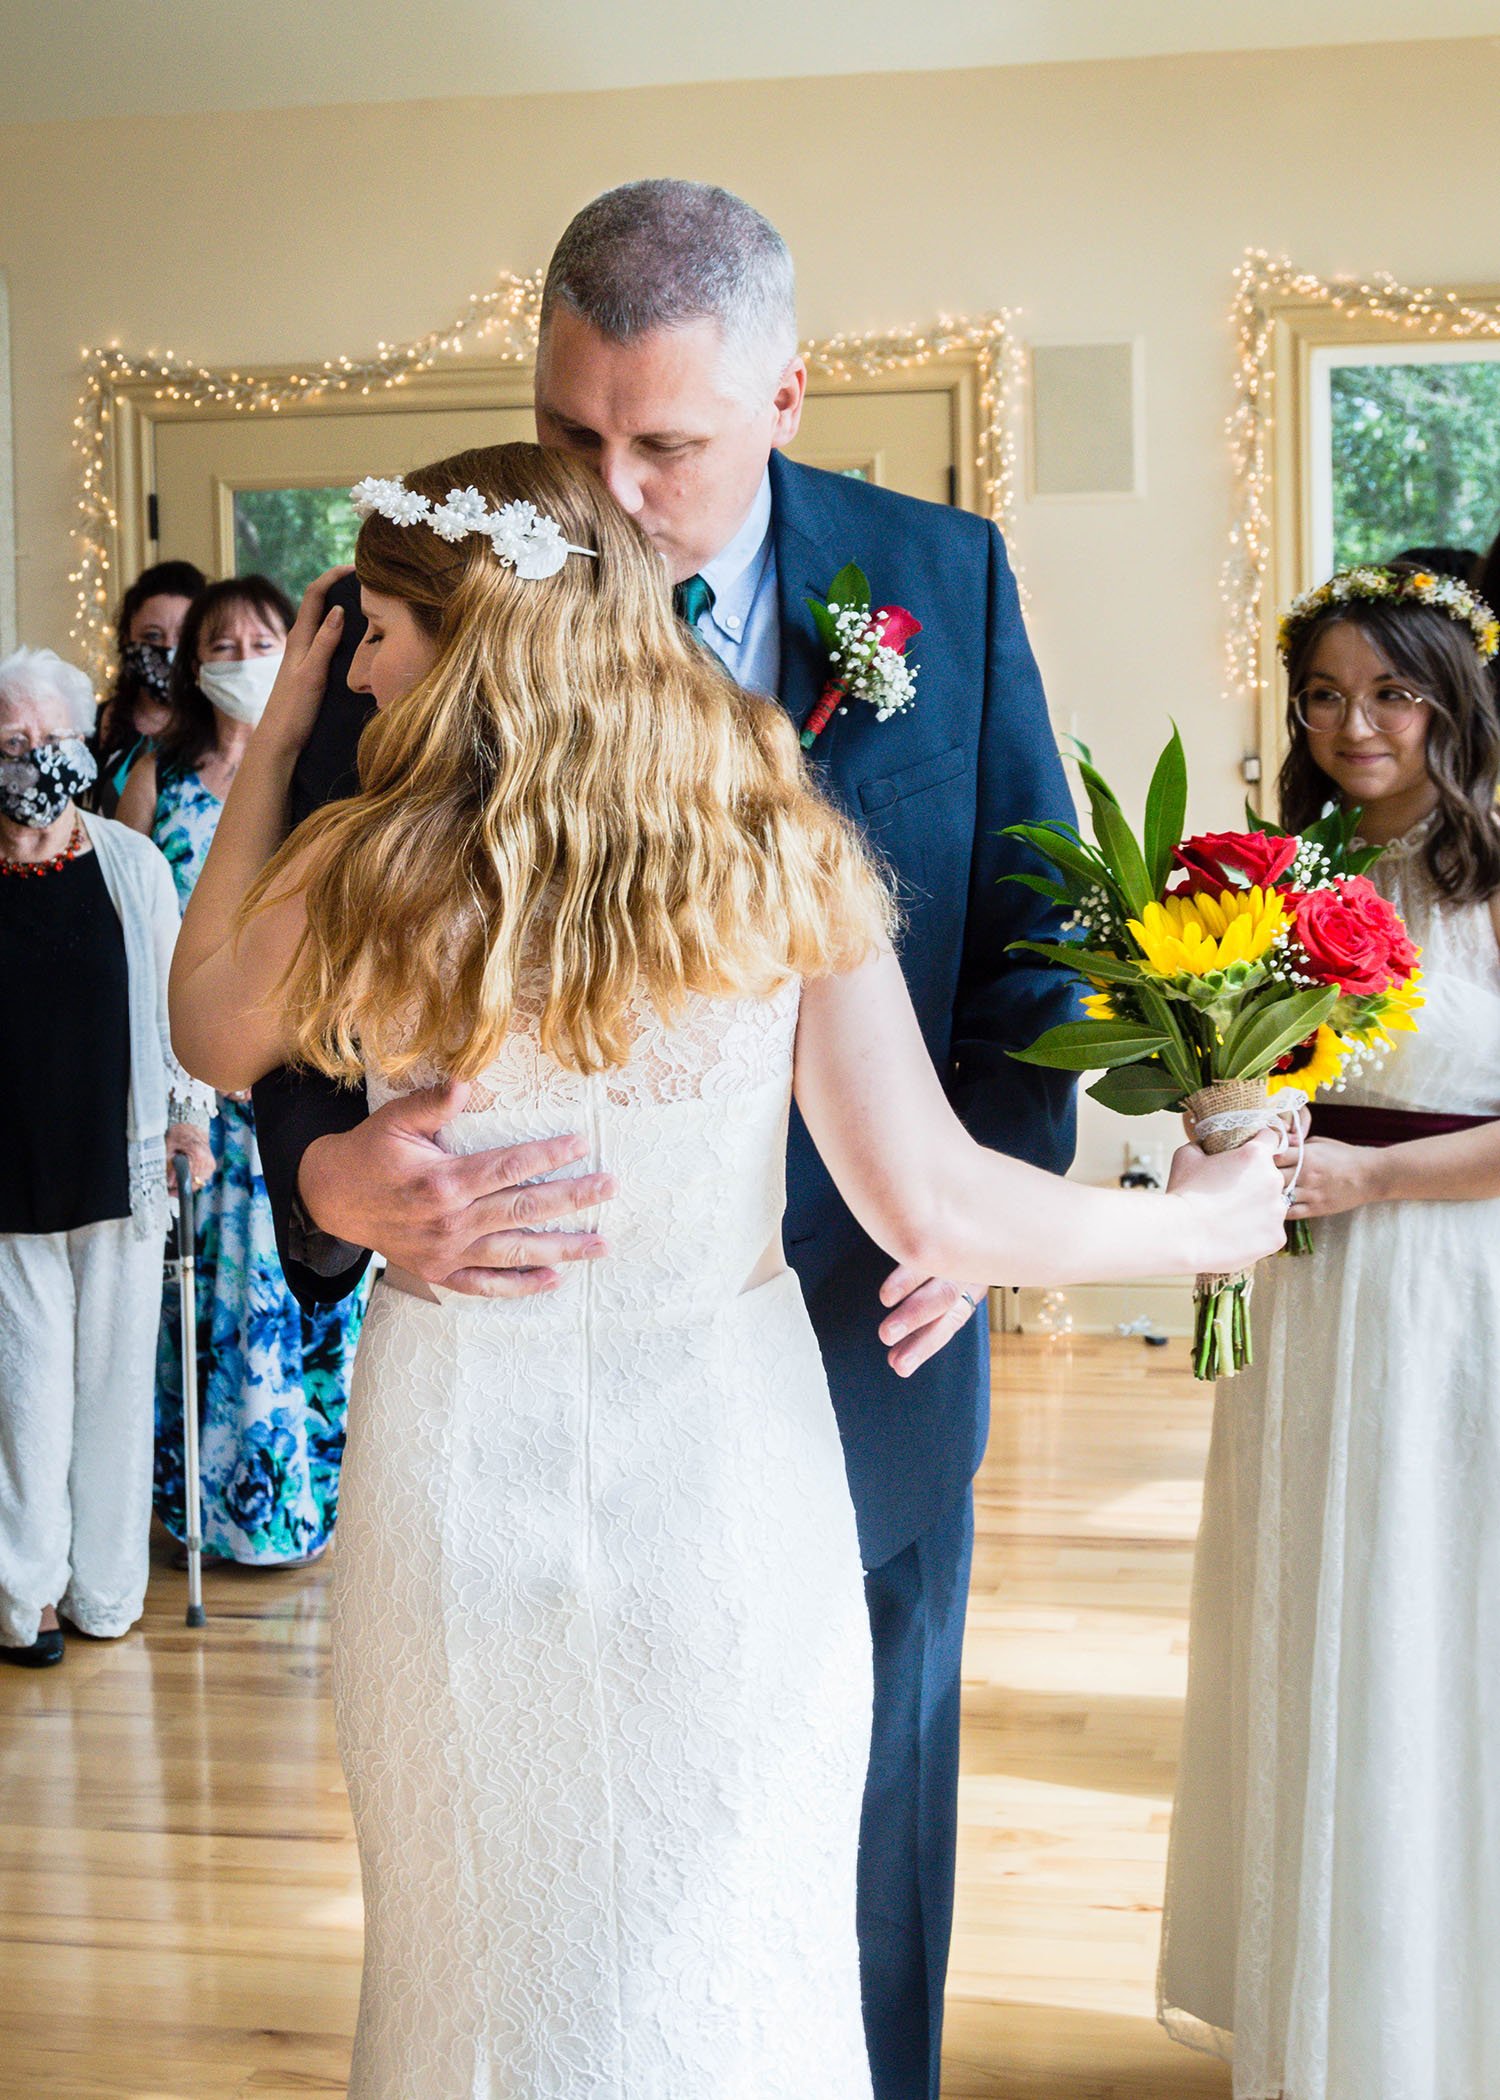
point(480, 1223)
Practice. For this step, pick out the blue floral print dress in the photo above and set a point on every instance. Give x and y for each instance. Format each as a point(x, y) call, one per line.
point(273, 1381)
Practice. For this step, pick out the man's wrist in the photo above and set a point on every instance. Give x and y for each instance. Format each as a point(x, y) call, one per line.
point(311, 1187)
point(322, 1252)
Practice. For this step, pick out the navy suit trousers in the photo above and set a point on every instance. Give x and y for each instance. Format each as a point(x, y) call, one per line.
point(909, 1830)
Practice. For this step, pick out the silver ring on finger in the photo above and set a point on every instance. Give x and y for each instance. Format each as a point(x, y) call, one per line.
point(972, 1303)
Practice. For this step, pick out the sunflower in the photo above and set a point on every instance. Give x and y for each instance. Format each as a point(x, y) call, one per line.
point(1195, 936)
point(1317, 1062)
point(1390, 1013)
point(1099, 1006)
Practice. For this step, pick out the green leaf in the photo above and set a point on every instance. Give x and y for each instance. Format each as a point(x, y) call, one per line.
point(1166, 812)
point(824, 622)
point(1254, 821)
point(1092, 1046)
point(1179, 1057)
point(1075, 748)
point(1268, 1028)
point(1087, 962)
point(1062, 852)
point(1096, 783)
point(850, 587)
point(1136, 1090)
point(1053, 891)
point(1122, 854)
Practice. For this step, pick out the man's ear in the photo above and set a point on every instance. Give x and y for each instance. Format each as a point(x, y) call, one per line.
point(786, 402)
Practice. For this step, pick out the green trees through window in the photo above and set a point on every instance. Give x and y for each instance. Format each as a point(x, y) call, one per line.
point(1415, 457)
point(292, 535)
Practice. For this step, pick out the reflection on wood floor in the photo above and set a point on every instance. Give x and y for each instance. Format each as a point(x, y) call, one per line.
point(179, 1909)
point(1074, 1673)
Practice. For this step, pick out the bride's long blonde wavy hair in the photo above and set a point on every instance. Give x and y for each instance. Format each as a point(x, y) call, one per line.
point(575, 785)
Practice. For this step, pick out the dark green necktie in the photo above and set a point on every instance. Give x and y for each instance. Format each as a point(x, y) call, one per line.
point(691, 599)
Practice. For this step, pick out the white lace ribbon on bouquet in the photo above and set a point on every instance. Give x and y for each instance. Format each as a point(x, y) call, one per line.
point(1243, 1123)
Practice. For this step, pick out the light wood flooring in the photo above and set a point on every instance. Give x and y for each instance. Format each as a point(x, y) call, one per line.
point(179, 1905)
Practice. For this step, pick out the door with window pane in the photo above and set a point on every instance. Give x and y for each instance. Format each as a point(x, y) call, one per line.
point(269, 492)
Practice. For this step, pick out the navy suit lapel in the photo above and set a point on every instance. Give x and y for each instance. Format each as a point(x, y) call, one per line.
point(804, 569)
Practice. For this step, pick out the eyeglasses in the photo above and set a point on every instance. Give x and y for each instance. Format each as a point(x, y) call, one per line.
point(17, 746)
point(1323, 708)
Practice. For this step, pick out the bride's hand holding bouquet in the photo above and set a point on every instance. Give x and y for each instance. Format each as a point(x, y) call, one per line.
point(1225, 971)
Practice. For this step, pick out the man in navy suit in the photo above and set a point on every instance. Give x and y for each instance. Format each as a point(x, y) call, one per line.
point(668, 361)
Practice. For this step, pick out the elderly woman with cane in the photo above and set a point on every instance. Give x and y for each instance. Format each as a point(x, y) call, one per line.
point(95, 1107)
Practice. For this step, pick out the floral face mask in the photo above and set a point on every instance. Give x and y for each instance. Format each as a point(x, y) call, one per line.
point(35, 790)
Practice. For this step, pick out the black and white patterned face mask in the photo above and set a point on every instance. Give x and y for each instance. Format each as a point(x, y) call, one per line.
point(147, 664)
point(35, 791)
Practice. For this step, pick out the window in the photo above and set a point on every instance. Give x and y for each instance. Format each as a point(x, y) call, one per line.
point(1405, 449)
point(292, 534)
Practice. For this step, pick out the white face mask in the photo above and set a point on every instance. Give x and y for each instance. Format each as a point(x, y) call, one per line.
point(240, 689)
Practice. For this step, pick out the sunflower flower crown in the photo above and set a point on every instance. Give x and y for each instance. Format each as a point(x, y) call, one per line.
point(524, 538)
point(1393, 586)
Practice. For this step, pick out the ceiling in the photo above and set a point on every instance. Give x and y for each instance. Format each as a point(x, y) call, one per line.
point(74, 59)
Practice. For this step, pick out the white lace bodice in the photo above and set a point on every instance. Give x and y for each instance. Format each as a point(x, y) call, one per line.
point(1452, 1063)
point(601, 1652)
point(693, 1128)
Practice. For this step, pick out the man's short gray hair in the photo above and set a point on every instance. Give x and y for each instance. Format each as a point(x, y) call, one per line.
point(662, 253)
point(41, 674)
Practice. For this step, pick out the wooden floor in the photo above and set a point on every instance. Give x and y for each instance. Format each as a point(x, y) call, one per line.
point(179, 1906)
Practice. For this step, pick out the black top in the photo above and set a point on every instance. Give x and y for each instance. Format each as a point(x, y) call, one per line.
point(64, 1051)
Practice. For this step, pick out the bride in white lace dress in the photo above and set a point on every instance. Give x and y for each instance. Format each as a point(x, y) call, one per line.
point(602, 1672)
point(1333, 1900)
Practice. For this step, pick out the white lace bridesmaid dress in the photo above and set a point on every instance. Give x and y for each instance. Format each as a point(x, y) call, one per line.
point(601, 1655)
point(1333, 1892)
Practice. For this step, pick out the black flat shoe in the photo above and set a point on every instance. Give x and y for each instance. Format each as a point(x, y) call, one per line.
point(44, 1651)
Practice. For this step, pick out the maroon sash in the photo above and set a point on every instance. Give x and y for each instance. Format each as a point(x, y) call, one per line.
point(1354, 1125)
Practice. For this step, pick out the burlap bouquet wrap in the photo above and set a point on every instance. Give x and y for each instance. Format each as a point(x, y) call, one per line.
point(1221, 1339)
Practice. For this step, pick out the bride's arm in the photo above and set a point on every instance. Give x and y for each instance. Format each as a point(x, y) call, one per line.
point(225, 1028)
point(926, 1192)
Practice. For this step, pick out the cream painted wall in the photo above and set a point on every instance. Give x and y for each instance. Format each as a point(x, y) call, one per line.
point(1103, 200)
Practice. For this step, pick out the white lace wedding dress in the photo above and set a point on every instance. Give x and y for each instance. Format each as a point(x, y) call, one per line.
point(601, 1655)
point(1333, 1897)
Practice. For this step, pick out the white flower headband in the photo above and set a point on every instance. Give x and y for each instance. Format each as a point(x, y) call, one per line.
point(521, 535)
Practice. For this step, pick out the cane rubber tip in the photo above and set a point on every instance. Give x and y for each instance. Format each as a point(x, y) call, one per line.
point(196, 1615)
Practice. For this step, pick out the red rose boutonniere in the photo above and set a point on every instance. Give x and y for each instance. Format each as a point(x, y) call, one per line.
point(866, 652)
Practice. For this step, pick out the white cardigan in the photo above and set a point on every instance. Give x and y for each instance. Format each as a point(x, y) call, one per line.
point(144, 896)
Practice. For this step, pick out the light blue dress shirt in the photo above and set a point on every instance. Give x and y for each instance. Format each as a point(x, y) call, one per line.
point(743, 628)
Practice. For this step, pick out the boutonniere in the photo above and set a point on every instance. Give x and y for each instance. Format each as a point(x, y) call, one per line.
point(866, 652)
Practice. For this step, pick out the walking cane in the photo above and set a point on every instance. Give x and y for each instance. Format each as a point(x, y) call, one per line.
point(187, 1302)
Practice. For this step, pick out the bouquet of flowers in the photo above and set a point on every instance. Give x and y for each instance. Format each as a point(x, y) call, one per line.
point(1224, 970)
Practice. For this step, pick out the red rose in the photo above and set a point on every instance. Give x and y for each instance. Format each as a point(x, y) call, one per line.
point(895, 626)
point(1233, 860)
point(1351, 937)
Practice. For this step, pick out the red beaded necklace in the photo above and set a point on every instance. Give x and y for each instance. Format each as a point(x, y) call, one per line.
point(71, 851)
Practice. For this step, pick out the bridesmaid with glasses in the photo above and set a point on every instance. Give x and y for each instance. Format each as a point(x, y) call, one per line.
point(1333, 1889)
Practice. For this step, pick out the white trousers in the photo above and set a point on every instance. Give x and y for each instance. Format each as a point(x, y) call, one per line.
point(78, 1319)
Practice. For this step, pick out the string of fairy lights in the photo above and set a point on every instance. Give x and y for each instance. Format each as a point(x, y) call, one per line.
point(1266, 288)
point(504, 321)
point(999, 359)
point(503, 318)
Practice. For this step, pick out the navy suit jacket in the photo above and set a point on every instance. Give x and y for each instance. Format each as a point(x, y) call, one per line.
point(933, 788)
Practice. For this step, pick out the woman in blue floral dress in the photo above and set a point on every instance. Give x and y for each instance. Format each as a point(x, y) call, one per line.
point(273, 1380)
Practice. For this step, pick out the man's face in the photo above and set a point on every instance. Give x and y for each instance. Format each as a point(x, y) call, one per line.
point(661, 423)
